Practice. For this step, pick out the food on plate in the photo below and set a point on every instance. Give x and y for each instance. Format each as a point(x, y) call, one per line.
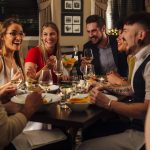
point(79, 100)
point(45, 101)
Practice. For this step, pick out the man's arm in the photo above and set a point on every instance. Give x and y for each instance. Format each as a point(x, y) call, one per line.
point(125, 90)
point(134, 110)
point(147, 129)
point(11, 126)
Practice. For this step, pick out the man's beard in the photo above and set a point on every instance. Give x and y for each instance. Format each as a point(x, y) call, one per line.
point(99, 40)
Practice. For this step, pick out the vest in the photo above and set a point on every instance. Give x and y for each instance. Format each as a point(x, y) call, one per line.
point(139, 93)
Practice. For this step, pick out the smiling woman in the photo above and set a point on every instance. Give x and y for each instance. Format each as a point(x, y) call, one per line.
point(11, 39)
point(44, 55)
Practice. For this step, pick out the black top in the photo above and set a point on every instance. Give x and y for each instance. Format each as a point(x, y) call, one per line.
point(139, 93)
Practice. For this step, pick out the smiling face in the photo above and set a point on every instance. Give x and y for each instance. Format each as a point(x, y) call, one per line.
point(49, 38)
point(94, 33)
point(122, 44)
point(132, 34)
point(13, 37)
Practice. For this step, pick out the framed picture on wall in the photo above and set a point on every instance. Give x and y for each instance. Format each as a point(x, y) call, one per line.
point(71, 24)
point(73, 5)
point(77, 5)
point(76, 19)
point(68, 19)
point(71, 17)
point(68, 5)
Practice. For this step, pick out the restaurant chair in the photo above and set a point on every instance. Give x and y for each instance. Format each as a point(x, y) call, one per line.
point(67, 50)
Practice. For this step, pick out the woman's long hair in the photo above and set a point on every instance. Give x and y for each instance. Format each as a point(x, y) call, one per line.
point(3, 31)
point(56, 50)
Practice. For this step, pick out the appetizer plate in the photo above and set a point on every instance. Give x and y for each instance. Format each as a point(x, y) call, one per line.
point(48, 98)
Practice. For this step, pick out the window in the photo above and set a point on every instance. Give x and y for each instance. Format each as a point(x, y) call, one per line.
point(26, 11)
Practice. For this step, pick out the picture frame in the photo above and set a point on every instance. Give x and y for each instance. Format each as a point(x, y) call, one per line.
point(77, 5)
point(72, 5)
point(68, 5)
point(71, 24)
point(71, 17)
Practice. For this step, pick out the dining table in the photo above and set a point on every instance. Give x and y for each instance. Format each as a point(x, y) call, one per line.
point(72, 123)
point(69, 121)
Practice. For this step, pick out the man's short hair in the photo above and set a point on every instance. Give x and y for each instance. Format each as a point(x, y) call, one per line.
point(96, 19)
point(142, 18)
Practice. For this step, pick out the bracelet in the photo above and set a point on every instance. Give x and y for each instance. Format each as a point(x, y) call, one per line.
point(109, 104)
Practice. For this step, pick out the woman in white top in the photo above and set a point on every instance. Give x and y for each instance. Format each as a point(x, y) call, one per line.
point(11, 36)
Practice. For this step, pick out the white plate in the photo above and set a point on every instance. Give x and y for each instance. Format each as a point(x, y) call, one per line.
point(50, 98)
point(53, 88)
point(112, 97)
point(80, 95)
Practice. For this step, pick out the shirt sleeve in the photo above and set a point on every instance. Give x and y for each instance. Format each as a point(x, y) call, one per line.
point(32, 55)
point(147, 81)
point(10, 126)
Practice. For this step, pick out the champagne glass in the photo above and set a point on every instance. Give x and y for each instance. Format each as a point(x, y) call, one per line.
point(45, 79)
point(88, 54)
point(16, 78)
point(58, 69)
point(87, 71)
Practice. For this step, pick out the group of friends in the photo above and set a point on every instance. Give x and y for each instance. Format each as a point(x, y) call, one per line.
point(112, 57)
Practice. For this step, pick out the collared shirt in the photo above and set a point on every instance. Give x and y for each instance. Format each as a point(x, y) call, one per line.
point(107, 60)
point(140, 57)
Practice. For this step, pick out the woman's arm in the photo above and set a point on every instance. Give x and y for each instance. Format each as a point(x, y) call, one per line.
point(30, 70)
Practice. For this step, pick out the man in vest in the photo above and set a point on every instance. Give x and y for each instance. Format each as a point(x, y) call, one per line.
point(136, 33)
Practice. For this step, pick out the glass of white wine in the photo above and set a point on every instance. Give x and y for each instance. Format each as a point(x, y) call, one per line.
point(45, 79)
point(58, 69)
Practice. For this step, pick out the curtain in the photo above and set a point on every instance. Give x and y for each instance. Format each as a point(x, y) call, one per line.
point(45, 12)
point(119, 9)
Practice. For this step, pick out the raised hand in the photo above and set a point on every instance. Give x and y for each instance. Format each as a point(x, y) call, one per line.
point(50, 63)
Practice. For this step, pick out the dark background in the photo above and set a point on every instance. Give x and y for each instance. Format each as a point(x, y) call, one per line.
point(26, 11)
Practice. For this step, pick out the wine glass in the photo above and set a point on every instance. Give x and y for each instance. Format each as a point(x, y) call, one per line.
point(65, 92)
point(88, 54)
point(87, 71)
point(58, 69)
point(74, 79)
point(45, 79)
point(16, 78)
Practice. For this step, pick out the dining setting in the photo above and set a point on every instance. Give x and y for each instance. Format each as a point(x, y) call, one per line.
point(66, 103)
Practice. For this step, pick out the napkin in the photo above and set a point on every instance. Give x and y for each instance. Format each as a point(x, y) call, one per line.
point(37, 138)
